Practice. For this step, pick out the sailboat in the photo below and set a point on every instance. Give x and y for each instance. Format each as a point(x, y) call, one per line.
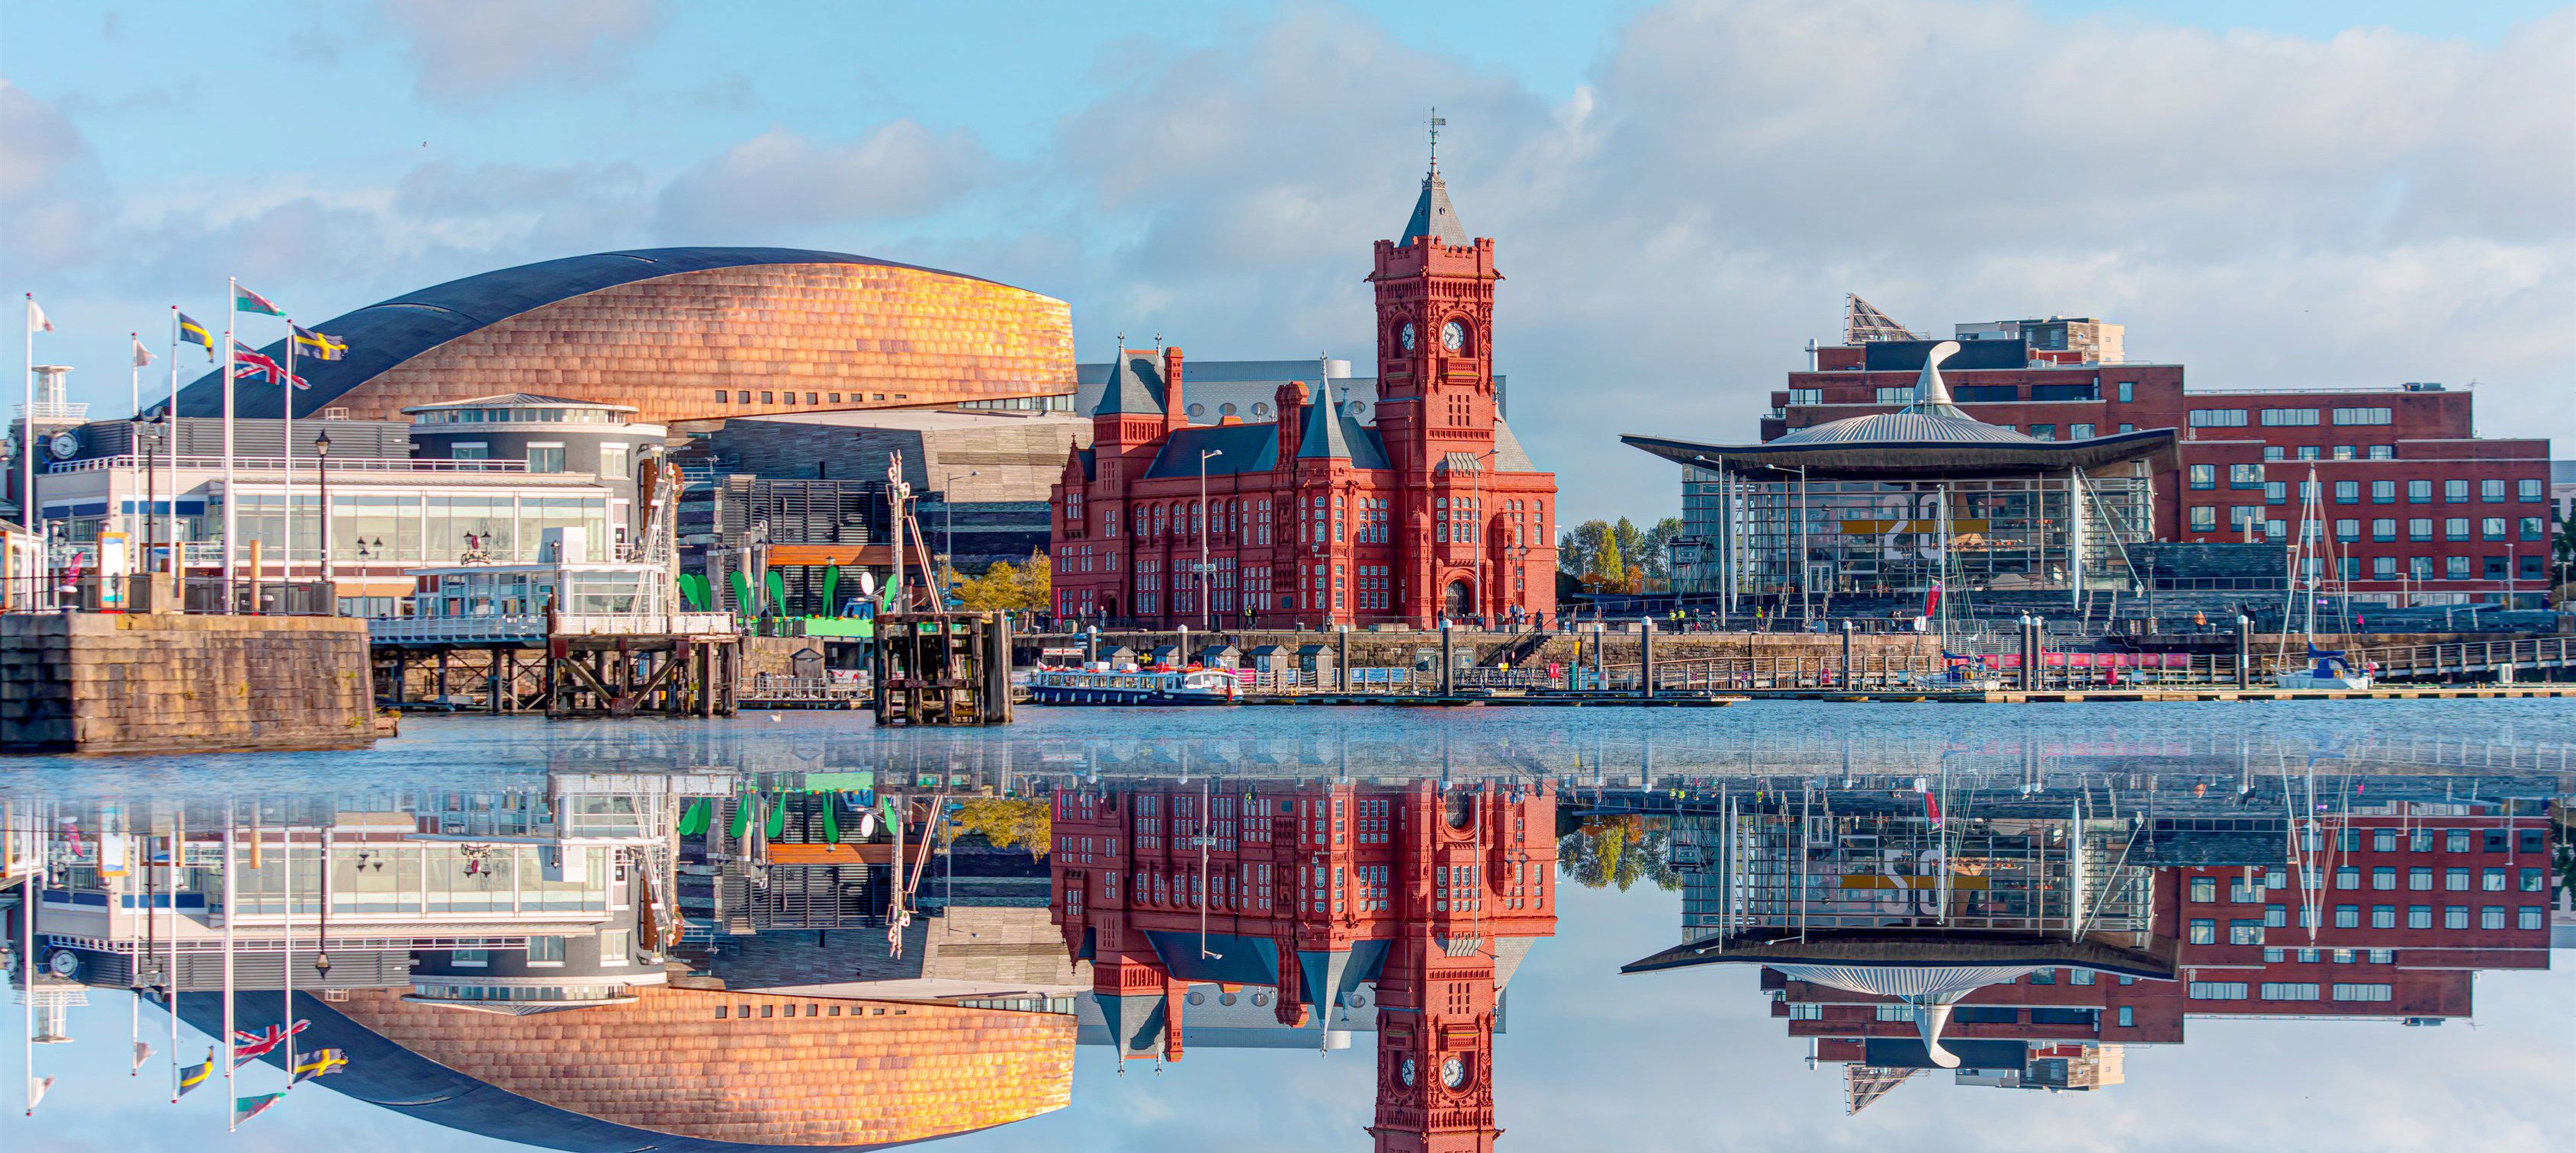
point(2324, 668)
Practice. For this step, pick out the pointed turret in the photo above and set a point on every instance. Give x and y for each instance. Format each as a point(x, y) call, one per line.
point(1127, 393)
point(1323, 438)
point(1432, 214)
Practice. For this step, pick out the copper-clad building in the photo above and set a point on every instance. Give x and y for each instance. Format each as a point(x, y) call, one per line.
point(681, 333)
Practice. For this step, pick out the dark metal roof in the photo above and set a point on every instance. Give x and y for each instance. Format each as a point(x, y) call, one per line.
point(389, 332)
point(1247, 448)
point(1860, 458)
point(1910, 427)
point(1134, 387)
point(1332, 434)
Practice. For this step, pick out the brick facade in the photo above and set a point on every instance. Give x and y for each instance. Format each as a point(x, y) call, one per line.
point(1429, 513)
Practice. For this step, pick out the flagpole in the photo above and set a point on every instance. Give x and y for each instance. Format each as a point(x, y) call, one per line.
point(286, 873)
point(28, 510)
point(178, 854)
point(30, 893)
point(170, 432)
point(142, 459)
point(286, 446)
point(229, 1123)
point(136, 385)
point(232, 315)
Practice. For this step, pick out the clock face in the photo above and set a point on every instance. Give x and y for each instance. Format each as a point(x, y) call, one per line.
point(64, 445)
point(1404, 336)
point(1453, 1072)
point(1405, 1070)
point(1453, 336)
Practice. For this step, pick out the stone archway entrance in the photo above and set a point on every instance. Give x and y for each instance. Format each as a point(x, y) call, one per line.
point(1459, 601)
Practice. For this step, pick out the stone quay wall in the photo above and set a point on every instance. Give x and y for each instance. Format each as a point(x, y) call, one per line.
point(164, 683)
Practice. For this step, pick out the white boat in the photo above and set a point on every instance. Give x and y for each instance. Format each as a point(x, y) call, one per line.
point(2326, 668)
point(1101, 685)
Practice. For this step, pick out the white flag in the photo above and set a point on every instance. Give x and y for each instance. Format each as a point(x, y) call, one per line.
point(142, 355)
point(36, 321)
point(142, 1053)
point(36, 1087)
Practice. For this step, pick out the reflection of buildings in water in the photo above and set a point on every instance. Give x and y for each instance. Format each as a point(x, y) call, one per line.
point(685, 1068)
point(1318, 906)
point(2027, 948)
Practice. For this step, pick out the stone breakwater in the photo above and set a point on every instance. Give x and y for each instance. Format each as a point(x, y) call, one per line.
point(137, 683)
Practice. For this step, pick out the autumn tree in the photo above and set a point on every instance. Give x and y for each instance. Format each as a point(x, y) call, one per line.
point(1009, 587)
point(1618, 851)
point(1007, 824)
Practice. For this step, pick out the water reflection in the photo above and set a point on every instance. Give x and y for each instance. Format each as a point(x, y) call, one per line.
point(796, 939)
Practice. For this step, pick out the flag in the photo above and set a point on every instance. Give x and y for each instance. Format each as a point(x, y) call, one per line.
point(245, 1108)
point(142, 1053)
point(191, 332)
point(244, 300)
point(195, 1075)
point(1932, 599)
point(257, 365)
point(36, 321)
point(318, 345)
point(319, 1063)
point(142, 355)
point(36, 1087)
point(249, 1046)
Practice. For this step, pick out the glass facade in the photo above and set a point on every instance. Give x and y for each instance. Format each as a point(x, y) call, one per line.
point(1771, 534)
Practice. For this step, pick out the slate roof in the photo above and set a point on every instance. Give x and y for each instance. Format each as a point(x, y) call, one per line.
point(1247, 448)
point(383, 335)
point(1134, 387)
point(1433, 216)
point(1331, 434)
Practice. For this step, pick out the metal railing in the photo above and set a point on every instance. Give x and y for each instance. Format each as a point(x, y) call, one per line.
point(303, 464)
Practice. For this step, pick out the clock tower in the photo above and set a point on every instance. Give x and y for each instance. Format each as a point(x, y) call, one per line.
point(1435, 375)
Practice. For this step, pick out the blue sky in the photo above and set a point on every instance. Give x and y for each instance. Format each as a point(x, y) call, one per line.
point(2297, 194)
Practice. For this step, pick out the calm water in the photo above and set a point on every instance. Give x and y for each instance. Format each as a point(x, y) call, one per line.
point(1932, 831)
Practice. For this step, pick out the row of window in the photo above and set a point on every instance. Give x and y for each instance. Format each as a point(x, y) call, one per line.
point(2287, 417)
point(2383, 878)
point(2246, 931)
point(2289, 991)
point(2528, 490)
point(743, 396)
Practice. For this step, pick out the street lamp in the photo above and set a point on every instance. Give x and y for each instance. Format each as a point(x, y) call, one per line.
point(1206, 521)
point(948, 529)
point(322, 466)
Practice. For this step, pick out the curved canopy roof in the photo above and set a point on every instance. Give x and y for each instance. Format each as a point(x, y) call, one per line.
point(389, 332)
point(1902, 459)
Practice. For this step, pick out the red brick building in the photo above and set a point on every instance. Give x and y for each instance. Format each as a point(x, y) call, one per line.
point(1427, 510)
point(2407, 909)
point(1313, 891)
point(2419, 508)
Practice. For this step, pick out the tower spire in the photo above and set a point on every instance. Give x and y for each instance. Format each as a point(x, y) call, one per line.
point(1437, 123)
point(1432, 214)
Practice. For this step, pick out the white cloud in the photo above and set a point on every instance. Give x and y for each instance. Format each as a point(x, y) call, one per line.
point(780, 180)
point(52, 190)
point(2360, 210)
point(474, 52)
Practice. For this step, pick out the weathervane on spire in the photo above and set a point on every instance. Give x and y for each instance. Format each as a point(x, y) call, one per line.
point(1437, 123)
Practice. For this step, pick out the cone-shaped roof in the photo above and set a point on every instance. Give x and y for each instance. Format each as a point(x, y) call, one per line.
point(1433, 216)
point(1127, 393)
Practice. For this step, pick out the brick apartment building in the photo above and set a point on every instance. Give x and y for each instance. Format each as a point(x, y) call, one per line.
point(2418, 507)
point(1321, 897)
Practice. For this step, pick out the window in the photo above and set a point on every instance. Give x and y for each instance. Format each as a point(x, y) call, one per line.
point(1902, 394)
point(2383, 878)
point(2383, 916)
point(545, 950)
point(2244, 476)
point(2245, 932)
point(469, 958)
point(2491, 490)
point(612, 947)
point(2289, 991)
point(2455, 528)
point(2491, 917)
point(767, 397)
point(2347, 530)
point(2531, 882)
point(723, 396)
point(2218, 990)
point(2204, 931)
point(2204, 888)
point(2344, 992)
point(2492, 880)
point(2276, 916)
point(2276, 492)
point(2455, 567)
point(612, 460)
point(2383, 492)
point(2455, 492)
point(2347, 917)
point(742, 397)
point(2361, 416)
point(2204, 476)
point(2348, 878)
point(2531, 917)
point(2204, 518)
point(2419, 528)
point(2280, 417)
point(2347, 492)
point(2044, 431)
point(469, 450)
point(2383, 529)
point(545, 458)
point(2491, 528)
point(835, 397)
point(2128, 1015)
point(2419, 916)
point(2456, 880)
point(2419, 492)
point(2218, 418)
point(2383, 568)
point(2533, 530)
point(2383, 452)
point(2343, 452)
point(2079, 432)
point(2455, 916)
point(2528, 488)
point(2456, 841)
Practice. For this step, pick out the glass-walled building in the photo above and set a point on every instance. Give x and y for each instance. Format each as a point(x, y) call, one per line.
point(1897, 504)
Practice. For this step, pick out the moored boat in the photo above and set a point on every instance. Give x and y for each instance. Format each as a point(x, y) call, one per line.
point(1101, 685)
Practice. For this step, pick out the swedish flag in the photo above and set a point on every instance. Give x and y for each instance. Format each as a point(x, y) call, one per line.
point(194, 1075)
point(319, 346)
point(191, 332)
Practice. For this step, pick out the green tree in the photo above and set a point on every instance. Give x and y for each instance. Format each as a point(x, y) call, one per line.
point(1010, 587)
point(1592, 554)
point(1007, 824)
point(1617, 852)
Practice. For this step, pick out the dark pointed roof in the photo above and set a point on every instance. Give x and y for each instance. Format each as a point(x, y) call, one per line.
point(1132, 389)
point(1332, 434)
point(1433, 216)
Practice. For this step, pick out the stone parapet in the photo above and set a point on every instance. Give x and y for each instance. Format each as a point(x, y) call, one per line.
point(166, 683)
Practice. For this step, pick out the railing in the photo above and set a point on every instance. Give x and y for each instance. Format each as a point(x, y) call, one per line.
point(498, 628)
point(303, 464)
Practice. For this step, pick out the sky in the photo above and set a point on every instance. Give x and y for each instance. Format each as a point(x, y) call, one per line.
point(2277, 195)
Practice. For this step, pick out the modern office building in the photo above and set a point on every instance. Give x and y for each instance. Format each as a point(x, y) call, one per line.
point(1308, 504)
point(2418, 507)
point(681, 333)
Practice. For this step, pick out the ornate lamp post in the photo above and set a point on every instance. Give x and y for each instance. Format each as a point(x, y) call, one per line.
point(1206, 521)
point(322, 465)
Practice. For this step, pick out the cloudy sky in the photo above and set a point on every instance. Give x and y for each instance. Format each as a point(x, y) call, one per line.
point(2278, 195)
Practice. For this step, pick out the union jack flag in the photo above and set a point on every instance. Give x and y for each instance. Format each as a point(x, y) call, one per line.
point(255, 365)
point(249, 1046)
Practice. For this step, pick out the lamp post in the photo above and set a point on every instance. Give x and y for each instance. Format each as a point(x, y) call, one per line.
point(1205, 522)
point(322, 467)
point(948, 528)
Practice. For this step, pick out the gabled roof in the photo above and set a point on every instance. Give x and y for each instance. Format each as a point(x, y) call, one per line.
point(1135, 388)
point(1246, 448)
point(1433, 216)
point(1331, 434)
